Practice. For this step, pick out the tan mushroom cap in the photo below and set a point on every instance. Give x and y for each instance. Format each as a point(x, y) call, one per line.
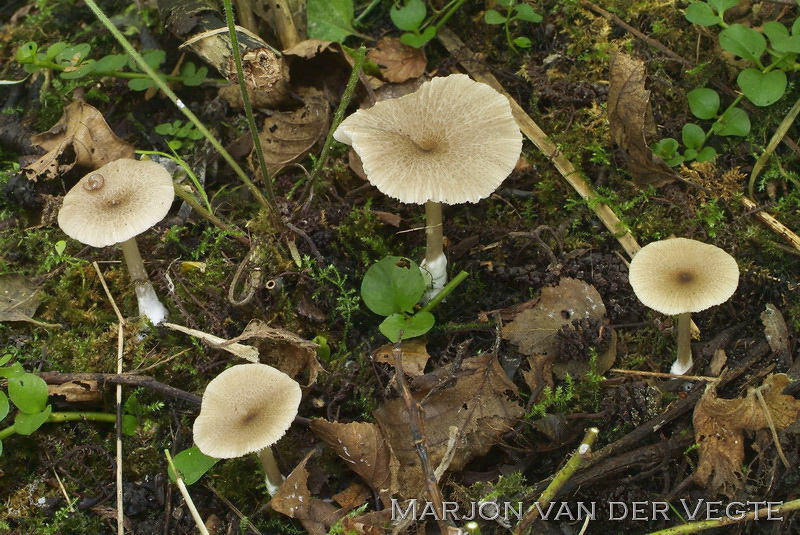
point(453, 141)
point(682, 275)
point(116, 202)
point(246, 408)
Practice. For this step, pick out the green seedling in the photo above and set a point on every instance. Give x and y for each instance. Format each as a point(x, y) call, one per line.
point(192, 464)
point(72, 62)
point(513, 11)
point(411, 16)
point(182, 134)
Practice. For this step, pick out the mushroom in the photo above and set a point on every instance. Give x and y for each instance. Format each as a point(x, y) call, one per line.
point(679, 276)
point(452, 141)
point(114, 204)
point(246, 409)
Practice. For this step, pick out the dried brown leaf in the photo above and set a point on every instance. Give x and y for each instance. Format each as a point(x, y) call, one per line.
point(719, 426)
point(294, 500)
point(479, 400)
point(81, 137)
point(540, 374)
point(398, 62)
point(776, 331)
point(414, 356)
point(288, 136)
point(368, 524)
point(19, 298)
point(363, 447)
point(631, 121)
point(353, 496)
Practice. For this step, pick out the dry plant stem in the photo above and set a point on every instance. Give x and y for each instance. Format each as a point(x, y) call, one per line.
point(643, 373)
point(201, 527)
point(779, 228)
point(123, 41)
point(696, 527)
point(435, 262)
point(274, 477)
point(684, 361)
point(143, 381)
point(417, 426)
point(559, 480)
point(779, 134)
point(478, 70)
point(771, 425)
point(283, 22)
point(189, 199)
point(149, 305)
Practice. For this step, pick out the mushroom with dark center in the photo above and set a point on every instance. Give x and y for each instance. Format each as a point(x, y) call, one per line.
point(114, 204)
point(680, 276)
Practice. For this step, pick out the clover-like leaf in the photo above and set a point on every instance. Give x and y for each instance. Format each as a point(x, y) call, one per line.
point(744, 42)
point(392, 285)
point(191, 463)
point(703, 102)
point(398, 325)
point(410, 16)
point(779, 38)
point(734, 122)
point(25, 424)
point(28, 392)
point(760, 88)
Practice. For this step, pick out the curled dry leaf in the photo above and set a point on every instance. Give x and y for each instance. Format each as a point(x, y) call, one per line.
point(246, 352)
point(414, 356)
point(353, 496)
point(294, 500)
point(363, 447)
point(719, 426)
point(776, 332)
point(283, 350)
point(398, 62)
point(288, 136)
point(534, 329)
point(19, 298)
point(81, 137)
point(631, 121)
point(480, 401)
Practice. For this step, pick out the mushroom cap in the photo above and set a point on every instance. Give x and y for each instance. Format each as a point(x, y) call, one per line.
point(680, 275)
point(453, 140)
point(116, 202)
point(246, 408)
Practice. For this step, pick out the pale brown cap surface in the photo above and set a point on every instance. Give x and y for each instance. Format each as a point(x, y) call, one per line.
point(246, 408)
point(453, 140)
point(682, 275)
point(116, 202)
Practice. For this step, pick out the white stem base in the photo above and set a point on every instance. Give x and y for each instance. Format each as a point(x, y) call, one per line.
point(149, 305)
point(681, 369)
point(435, 273)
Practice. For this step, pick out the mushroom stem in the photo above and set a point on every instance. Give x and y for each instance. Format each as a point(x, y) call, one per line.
point(274, 477)
point(149, 305)
point(684, 361)
point(435, 263)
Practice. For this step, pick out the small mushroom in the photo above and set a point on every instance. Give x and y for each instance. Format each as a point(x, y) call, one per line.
point(452, 141)
point(114, 204)
point(246, 409)
point(680, 276)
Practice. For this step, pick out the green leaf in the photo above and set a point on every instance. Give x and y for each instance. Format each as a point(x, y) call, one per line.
point(28, 392)
point(133, 407)
point(191, 463)
point(154, 58)
point(55, 49)
point(141, 84)
point(506, 3)
point(129, 424)
point(410, 326)
point(734, 122)
point(703, 102)
point(197, 78)
point(15, 370)
point(743, 42)
point(762, 89)
point(110, 63)
point(666, 148)
point(1, 448)
point(27, 52)
point(418, 41)
point(410, 16)
point(165, 129)
point(796, 26)
point(525, 12)
point(721, 6)
point(780, 39)
point(391, 285)
point(693, 136)
point(25, 424)
point(175, 144)
point(707, 154)
point(493, 16)
point(701, 14)
point(60, 246)
point(4, 406)
point(5, 359)
point(73, 55)
point(330, 20)
point(85, 69)
point(689, 155)
point(522, 42)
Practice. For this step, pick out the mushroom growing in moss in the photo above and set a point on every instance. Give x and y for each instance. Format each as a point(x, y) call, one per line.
point(452, 141)
point(246, 409)
point(114, 204)
point(680, 276)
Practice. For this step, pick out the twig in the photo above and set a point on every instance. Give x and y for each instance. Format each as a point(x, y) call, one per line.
point(771, 425)
point(417, 425)
point(529, 127)
point(143, 381)
point(120, 348)
point(201, 527)
point(559, 480)
point(694, 527)
point(189, 199)
point(776, 226)
point(665, 375)
point(779, 134)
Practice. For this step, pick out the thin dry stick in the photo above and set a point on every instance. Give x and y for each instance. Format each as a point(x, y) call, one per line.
point(771, 426)
point(776, 226)
point(201, 527)
point(532, 131)
point(779, 134)
point(417, 425)
point(120, 347)
point(559, 480)
point(694, 527)
point(665, 375)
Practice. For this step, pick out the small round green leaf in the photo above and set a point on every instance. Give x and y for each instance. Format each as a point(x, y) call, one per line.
point(666, 148)
point(129, 424)
point(27, 52)
point(140, 84)
point(410, 327)
point(522, 42)
point(112, 62)
point(689, 155)
point(706, 155)
point(4, 406)
point(762, 89)
point(28, 392)
point(492, 16)
point(418, 40)
point(191, 463)
point(25, 424)
point(703, 102)
point(733, 122)
point(525, 12)
point(721, 6)
point(693, 137)
point(392, 285)
point(410, 16)
point(742, 41)
point(15, 370)
point(55, 49)
point(84, 69)
point(701, 14)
